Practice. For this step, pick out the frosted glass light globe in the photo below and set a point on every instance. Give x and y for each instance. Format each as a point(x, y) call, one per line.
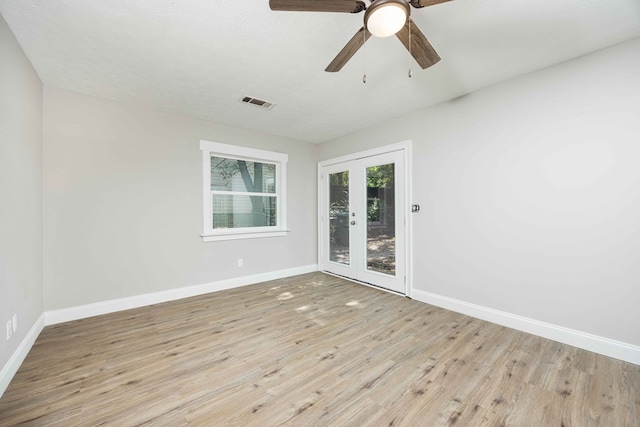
point(386, 19)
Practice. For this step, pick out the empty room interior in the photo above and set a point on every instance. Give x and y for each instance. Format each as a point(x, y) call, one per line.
point(302, 212)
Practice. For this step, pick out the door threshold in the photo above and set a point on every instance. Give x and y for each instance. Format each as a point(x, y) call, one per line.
point(360, 282)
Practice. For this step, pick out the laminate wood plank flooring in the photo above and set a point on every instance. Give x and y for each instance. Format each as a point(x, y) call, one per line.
point(311, 350)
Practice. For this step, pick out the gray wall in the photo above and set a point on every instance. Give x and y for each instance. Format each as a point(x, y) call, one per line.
point(20, 192)
point(530, 194)
point(123, 203)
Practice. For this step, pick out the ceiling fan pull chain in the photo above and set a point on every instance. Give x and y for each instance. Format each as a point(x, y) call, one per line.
point(409, 49)
point(364, 56)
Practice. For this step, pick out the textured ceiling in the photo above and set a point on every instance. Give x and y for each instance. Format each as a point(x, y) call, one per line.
point(199, 58)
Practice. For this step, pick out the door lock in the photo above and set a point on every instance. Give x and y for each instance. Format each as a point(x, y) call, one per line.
point(353, 223)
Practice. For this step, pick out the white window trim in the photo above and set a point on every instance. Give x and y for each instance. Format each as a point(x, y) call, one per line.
point(252, 154)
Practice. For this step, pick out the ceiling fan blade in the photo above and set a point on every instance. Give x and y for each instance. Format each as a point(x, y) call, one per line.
point(420, 48)
point(349, 50)
point(345, 6)
point(423, 3)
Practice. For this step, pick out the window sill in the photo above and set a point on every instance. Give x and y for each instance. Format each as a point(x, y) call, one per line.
point(244, 235)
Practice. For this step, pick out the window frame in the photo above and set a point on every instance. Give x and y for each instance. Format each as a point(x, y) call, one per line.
point(216, 149)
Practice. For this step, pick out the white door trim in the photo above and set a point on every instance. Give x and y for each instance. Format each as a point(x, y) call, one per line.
point(405, 147)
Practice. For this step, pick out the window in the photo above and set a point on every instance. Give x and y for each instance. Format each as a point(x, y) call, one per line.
point(243, 192)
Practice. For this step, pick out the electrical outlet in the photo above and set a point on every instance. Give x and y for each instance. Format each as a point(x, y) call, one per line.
point(240, 262)
point(9, 329)
point(14, 320)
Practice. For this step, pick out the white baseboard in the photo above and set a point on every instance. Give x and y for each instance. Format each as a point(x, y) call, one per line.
point(18, 356)
point(80, 312)
point(605, 346)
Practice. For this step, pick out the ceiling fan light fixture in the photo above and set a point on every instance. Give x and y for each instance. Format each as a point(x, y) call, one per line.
point(385, 18)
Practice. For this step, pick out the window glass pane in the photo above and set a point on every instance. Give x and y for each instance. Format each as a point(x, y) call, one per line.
point(233, 211)
point(242, 175)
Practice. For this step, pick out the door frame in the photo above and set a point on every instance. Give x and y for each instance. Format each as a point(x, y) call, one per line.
point(405, 148)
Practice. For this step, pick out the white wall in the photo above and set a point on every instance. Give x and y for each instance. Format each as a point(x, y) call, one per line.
point(20, 192)
point(530, 194)
point(123, 207)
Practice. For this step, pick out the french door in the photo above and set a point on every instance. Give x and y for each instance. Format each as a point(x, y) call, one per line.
point(363, 220)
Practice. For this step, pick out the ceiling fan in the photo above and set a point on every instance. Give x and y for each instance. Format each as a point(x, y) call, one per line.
point(382, 18)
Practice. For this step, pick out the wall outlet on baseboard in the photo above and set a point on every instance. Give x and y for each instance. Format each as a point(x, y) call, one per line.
point(9, 329)
point(240, 262)
point(14, 320)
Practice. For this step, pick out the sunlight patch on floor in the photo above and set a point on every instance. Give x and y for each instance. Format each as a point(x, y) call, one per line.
point(285, 296)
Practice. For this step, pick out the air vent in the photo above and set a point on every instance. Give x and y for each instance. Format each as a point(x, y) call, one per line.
point(258, 102)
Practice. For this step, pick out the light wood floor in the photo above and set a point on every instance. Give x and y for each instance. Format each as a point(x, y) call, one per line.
point(311, 350)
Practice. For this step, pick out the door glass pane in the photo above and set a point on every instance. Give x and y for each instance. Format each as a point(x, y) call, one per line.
point(339, 217)
point(381, 222)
